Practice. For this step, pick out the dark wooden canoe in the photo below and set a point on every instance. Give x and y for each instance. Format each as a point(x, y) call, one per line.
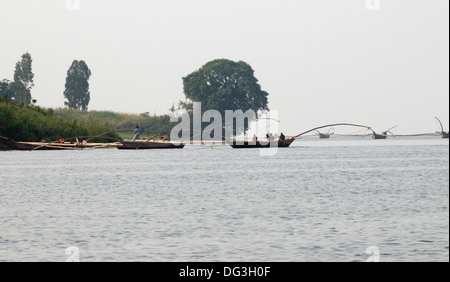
point(151, 144)
point(379, 136)
point(263, 144)
point(324, 135)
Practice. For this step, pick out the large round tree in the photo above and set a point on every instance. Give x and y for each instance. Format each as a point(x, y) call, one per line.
point(226, 85)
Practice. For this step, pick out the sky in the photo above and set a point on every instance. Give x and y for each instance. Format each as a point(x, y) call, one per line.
point(374, 62)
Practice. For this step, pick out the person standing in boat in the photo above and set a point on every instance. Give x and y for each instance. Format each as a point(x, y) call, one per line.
point(282, 137)
point(137, 133)
point(80, 141)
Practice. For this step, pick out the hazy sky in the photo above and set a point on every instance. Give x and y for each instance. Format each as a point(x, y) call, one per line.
point(321, 61)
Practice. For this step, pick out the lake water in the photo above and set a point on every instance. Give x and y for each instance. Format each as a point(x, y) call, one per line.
point(319, 200)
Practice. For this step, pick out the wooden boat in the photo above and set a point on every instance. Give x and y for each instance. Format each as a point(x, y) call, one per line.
point(147, 144)
point(383, 134)
point(251, 144)
point(324, 135)
point(329, 125)
point(378, 136)
point(30, 146)
point(444, 135)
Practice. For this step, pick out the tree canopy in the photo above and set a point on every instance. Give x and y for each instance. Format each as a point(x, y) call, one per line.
point(77, 86)
point(23, 80)
point(225, 85)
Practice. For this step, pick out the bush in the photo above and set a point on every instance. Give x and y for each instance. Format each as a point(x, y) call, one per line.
point(124, 124)
point(32, 123)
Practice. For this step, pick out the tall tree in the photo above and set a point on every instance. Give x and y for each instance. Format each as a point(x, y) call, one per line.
point(77, 86)
point(226, 85)
point(23, 80)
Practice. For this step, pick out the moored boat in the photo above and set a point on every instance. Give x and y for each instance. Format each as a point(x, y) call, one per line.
point(378, 136)
point(324, 135)
point(147, 144)
point(238, 144)
point(444, 134)
point(31, 146)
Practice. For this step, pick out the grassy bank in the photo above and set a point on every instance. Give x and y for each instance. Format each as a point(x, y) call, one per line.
point(33, 123)
point(123, 123)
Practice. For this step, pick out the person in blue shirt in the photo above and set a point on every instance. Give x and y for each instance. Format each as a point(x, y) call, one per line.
point(137, 132)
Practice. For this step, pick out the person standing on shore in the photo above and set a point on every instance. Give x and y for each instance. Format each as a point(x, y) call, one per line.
point(137, 133)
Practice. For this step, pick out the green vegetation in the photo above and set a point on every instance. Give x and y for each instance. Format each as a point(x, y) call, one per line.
point(77, 86)
point(124, 124)
point(33, 123)
point(23, 80)
point(220, 85)
point(19, 90)
point(6, 89)
point(225, 85)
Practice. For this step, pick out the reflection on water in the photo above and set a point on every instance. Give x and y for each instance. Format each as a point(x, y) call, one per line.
point(320, 200)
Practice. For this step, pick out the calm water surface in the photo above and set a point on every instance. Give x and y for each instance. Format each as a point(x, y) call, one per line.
point(320, 200)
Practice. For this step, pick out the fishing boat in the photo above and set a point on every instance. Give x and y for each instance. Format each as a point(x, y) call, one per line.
point(147, 144)
point(378, 136)
point(240, 144)
point(444, 134)
point(325, 135)
point(31, 146)
point(383, 134)
point(5, 148)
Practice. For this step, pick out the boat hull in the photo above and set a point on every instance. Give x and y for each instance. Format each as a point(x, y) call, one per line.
point(378, 136)
point(148, 145)
point(250, 144)
point(31, 146)
point(444, 135)
point(324, 136)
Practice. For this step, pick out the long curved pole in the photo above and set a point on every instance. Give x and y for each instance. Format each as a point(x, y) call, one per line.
point(391, 128)
point(442, 128)
point(328, 125)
